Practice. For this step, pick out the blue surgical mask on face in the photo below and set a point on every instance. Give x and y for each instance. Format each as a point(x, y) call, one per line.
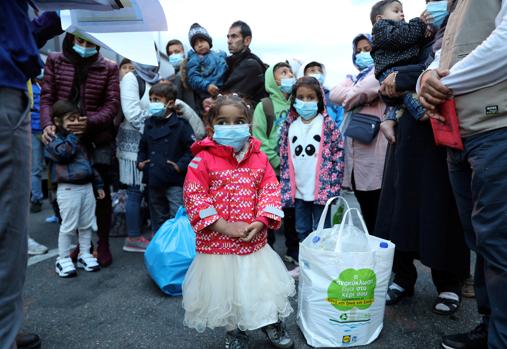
point(85, 52)
point(175, 59)
point(286, 85)
point(234, 136)
point(157, 109)
point(319, 77)
point(364, 60)
point(437, 10)
point(306, 110)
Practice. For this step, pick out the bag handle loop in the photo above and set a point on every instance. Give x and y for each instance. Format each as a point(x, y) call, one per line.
point(323, 216)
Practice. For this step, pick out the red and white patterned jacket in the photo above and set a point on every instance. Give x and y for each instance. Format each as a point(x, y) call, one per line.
point(217, 186)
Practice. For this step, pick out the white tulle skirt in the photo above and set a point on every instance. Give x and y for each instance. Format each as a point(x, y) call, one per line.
point(246, 292)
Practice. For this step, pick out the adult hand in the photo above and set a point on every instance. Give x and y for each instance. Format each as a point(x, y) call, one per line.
point(175, 165)
point(79, 127)
point(433, 92)
point(387, 128)
point(101, 194)
point(142, 164)
point(48, 134)
point(388, 87)
point(253, 229)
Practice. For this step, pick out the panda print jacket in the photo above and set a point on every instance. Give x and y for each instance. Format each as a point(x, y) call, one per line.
point(330, 163)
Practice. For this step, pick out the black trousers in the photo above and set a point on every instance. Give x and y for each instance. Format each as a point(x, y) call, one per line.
point(289, 231)
point(406, 274)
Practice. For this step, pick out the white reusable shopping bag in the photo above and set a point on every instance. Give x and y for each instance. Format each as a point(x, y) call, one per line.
point(341, 297)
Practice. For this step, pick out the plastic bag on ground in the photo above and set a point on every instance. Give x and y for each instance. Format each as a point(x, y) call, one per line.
point(170, 253)
point(343, 284)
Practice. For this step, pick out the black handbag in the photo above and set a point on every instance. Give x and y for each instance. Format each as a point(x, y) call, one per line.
point(363, 127)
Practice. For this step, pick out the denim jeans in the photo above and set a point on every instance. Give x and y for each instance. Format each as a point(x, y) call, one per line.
point(133, 211)
point(37, 166)
point(14, 201)
point(479, 179)
point(308, 216)
point(164, 203)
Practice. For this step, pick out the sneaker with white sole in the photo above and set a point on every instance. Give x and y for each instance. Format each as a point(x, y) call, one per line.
point(278, 336)
point(34, 248)
point(137, 244)
point(88, 262)
point(65, 268)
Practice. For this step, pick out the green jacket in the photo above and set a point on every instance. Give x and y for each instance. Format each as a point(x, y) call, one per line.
point(281, 106)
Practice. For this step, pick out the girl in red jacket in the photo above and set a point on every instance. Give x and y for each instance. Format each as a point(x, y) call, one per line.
point(232, 197)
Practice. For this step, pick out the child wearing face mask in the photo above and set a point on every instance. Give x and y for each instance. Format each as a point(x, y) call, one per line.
point(164, 154)
point(311, 156)
point(268, 117)
point(397, 45)
point(232, 198)
point(318, 71)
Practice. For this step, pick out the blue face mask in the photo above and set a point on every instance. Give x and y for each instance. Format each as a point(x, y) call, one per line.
point(364, 60)
point(175, 59)
point(319, 77)
point(85, 52)
point(437, 10)
point(306, 110)
point(157, 109)
point(286, 85)
point(234, 136)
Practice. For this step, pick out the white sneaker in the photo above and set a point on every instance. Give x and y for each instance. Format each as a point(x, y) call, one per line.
point(34, 248)
point(88, 262)
point(65, 268)
point(294, 273)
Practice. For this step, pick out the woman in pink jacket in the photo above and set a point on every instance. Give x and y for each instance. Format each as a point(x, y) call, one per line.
point(364, 163)
point(81, 75)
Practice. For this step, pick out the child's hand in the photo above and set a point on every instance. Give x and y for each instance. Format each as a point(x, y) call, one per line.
point(173, 164)
point(213, 90)
point(387, 128)
point(142, 164)
point(426, 17)
point(253, 229)
point(101, 194)
point(236, 229)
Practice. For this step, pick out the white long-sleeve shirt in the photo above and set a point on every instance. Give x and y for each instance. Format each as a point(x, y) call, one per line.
point(485, 66)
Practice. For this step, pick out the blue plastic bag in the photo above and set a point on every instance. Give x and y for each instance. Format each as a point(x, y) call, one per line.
point(170, 253)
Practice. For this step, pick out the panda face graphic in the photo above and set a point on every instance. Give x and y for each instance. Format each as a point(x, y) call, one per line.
point(305, 150)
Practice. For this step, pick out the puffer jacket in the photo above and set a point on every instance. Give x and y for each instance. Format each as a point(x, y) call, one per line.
point(204, 70)
point(218, 186)
point(100, 95)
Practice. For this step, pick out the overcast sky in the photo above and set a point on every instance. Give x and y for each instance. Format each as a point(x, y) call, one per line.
point(320, 30)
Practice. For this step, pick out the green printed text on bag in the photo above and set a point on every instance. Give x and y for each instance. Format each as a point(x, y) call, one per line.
point(353, 289)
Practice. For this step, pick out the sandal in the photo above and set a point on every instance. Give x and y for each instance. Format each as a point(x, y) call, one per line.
point(394, 295)
point(447, 303)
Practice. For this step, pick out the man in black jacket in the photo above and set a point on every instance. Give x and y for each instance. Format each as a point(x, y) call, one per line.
point(245, 74)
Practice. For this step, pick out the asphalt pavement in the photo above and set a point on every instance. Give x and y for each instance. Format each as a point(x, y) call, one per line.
point(120, 307)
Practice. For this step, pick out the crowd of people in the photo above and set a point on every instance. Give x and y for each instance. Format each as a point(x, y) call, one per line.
point(251, 149)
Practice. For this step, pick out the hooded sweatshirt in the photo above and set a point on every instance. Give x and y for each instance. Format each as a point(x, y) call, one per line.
point(334, 111)
point(270, 145)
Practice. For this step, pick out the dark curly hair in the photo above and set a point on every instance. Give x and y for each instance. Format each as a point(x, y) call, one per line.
point(229, 99)
point(314, 84)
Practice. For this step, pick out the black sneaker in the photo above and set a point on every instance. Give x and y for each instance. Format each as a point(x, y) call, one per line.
point(28, 341)
point(236, 340)
point(475, 339)
point(36, 207)
point(278, 336)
